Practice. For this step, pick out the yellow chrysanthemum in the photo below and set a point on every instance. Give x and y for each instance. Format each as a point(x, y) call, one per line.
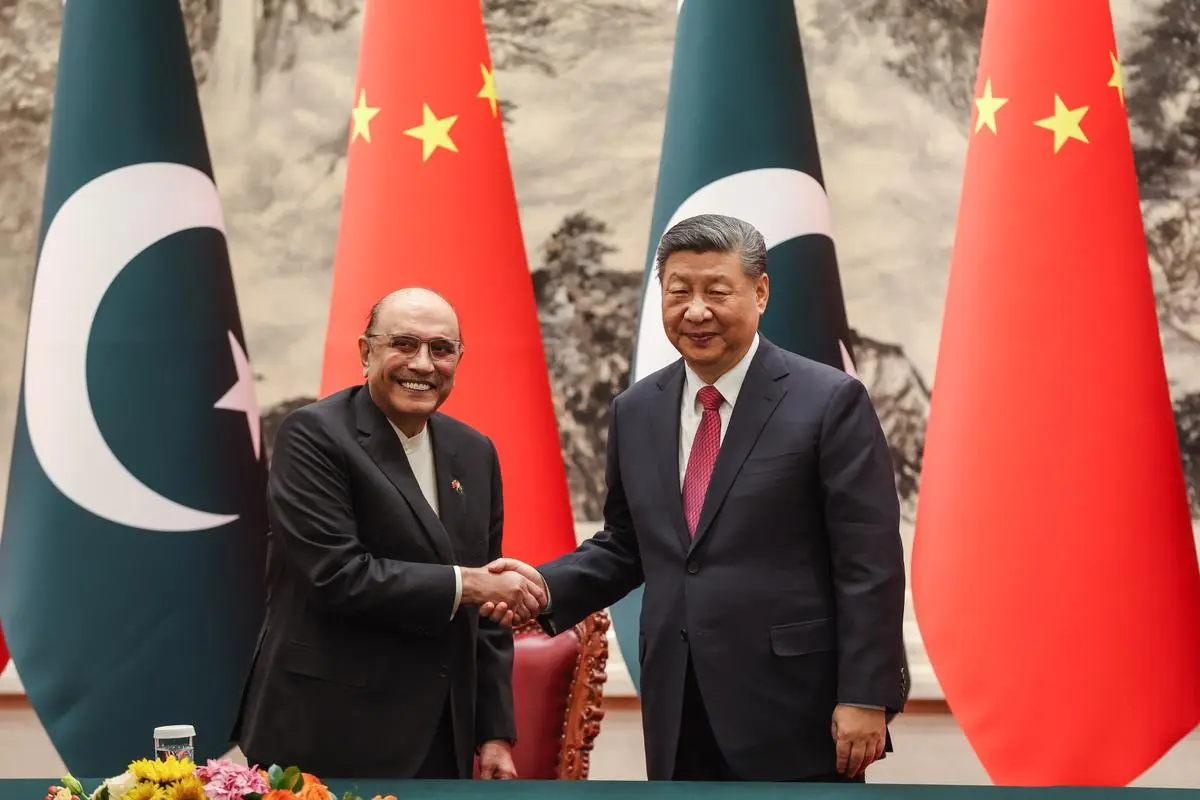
point(186, 789)
point(169, 770)
point(146, 791)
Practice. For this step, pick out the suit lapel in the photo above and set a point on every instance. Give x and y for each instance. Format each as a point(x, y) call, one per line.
point(757, 401)
point(664, 422)
point(452, 500)
point(382, 444)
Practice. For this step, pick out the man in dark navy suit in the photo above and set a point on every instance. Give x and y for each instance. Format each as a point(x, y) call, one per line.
point(752, 491)
point(384, 513)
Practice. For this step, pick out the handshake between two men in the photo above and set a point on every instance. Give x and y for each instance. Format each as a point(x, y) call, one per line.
point(507, 591)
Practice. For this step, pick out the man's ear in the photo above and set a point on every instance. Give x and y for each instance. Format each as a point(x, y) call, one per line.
point(364, 352)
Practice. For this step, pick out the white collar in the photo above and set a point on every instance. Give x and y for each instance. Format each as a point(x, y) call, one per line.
point(412, 443)
point(729, 384)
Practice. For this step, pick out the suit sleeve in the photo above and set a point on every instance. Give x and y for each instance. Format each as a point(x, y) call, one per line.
point(494, 649)
point(308, 493)
point(607, 566)
point(862, 515)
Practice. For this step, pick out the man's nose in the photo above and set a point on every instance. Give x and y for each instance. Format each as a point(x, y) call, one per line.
point(697, 309)
point(420, 361)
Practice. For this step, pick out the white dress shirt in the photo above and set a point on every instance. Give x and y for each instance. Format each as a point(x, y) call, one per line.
point(729, 385)
point(419, 450)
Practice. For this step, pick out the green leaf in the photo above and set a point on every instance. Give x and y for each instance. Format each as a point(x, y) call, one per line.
point(292, 779)
point(274, 775)
point(252, 796)
point(75, 786)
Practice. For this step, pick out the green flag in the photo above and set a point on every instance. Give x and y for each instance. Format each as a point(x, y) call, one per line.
point(740, 141)
point(131, 565)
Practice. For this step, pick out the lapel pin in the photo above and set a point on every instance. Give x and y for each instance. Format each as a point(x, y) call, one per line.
point(456, 486)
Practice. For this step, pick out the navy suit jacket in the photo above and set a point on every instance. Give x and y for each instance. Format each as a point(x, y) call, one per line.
point(358, 653)
point(790, 597)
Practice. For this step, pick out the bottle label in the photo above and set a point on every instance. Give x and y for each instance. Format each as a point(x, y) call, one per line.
point(180, 748)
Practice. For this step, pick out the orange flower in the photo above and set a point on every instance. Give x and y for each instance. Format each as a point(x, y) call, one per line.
point(313, 789)
point(389, 797)
point(280, 794)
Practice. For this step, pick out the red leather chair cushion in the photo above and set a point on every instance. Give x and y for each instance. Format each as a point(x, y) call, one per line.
point(542, 671)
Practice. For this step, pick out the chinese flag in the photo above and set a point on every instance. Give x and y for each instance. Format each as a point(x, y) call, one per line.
point(1054, 571)
point(429, 202)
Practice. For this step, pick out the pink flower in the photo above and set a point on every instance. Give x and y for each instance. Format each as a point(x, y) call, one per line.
point(225, 780)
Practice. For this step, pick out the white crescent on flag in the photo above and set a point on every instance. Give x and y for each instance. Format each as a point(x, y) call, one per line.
point(105, 224)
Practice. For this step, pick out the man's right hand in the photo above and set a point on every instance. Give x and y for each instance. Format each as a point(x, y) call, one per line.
point(503, 613)
point(521, 597)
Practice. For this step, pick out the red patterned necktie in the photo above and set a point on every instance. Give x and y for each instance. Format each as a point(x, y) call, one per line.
point(703, 456)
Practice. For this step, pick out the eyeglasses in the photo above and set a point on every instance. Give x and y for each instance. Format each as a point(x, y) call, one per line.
point(440, 349)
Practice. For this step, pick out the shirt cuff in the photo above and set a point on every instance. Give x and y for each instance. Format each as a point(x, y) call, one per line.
point(457, 591)
point(549, 602)
point(862, 705)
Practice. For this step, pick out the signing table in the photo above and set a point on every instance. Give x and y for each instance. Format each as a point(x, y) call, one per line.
point(638, 790)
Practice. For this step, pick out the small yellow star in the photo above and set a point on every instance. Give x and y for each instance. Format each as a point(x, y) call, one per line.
point(1116, 81)
point(988, 106)
point(433, 133)
point(488, 92)
point(1064, 123)
point(363, 114)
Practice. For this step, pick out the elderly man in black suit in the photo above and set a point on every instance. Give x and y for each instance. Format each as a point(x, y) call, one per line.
point(752, 491)
point(383, 513)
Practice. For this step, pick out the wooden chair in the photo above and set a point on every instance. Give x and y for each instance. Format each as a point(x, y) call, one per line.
point(558, 684)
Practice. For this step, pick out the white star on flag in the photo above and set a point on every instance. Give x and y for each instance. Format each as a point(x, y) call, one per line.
point(240, 396)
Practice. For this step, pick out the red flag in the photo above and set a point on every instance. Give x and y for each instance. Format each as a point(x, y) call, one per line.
point(1054, 571)
point(429, 201)
point(3, 653)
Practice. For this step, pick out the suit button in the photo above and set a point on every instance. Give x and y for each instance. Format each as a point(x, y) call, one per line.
point(683, 634)
point(693, 568)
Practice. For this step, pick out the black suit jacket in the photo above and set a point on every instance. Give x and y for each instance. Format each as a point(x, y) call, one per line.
point(358, 651)
point(790, 597)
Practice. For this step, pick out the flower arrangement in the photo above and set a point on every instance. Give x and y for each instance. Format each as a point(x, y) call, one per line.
point(179, 779)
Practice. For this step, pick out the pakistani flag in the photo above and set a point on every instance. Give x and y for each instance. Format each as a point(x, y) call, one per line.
point(740, 141)
point(131, 565)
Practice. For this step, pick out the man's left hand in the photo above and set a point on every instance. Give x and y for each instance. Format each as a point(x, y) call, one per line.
point(860, 734)
point(500, 613)
point(496, 761)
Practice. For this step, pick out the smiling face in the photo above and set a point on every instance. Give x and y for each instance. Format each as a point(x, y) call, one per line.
point(710, 309)
point(410, 355)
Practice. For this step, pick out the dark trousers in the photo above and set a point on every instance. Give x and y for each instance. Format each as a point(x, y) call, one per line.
point(441, 762)
point(698, 757)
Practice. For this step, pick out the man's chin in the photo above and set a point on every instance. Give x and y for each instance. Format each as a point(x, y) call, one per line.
point(707, 353)
point(414, 404)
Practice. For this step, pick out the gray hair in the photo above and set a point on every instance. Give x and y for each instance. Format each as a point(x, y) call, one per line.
point(714, 233)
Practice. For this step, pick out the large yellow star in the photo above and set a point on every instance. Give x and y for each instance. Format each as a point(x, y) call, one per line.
point(363, 114)
point(988, 106)
point(433, 133)
point(1116, 81)
point(1064, 123)
point(488, 92)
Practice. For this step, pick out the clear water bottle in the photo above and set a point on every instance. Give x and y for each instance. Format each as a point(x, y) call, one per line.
point(175, 740)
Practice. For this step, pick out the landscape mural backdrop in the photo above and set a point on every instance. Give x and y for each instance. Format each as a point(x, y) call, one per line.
point(584, 88)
